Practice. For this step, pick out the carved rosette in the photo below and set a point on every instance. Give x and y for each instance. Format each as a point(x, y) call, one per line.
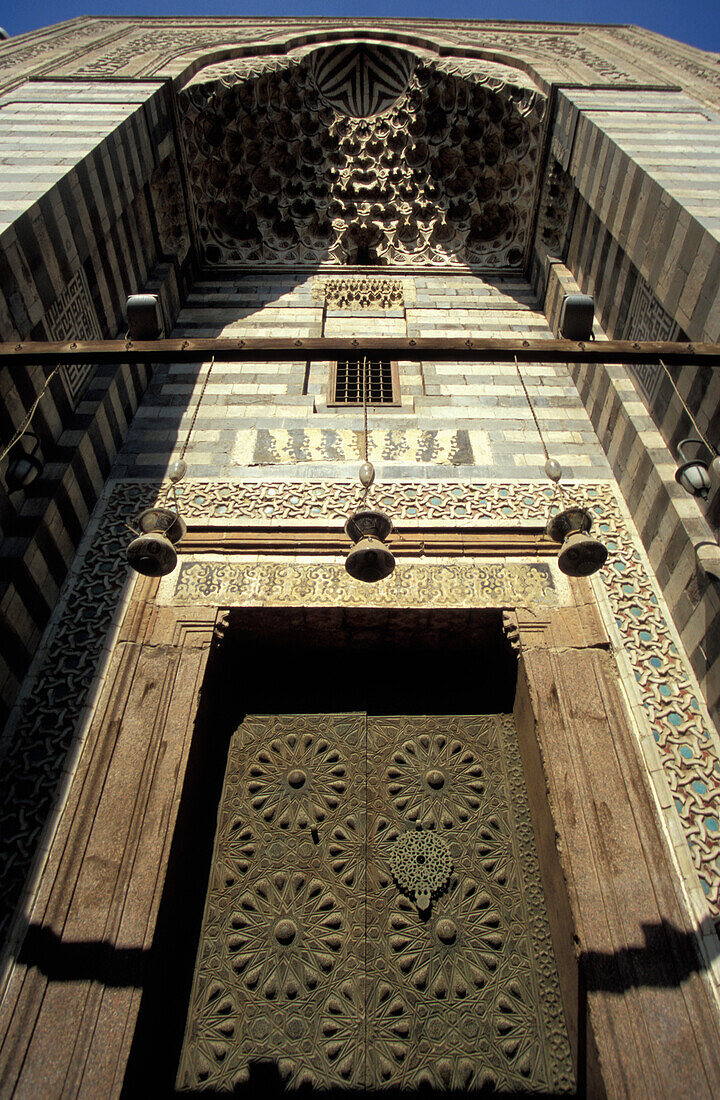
point(443, 173)
point(668, 696)
point(313, 957)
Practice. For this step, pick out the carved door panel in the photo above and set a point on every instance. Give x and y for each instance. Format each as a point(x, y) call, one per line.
point(374, 916)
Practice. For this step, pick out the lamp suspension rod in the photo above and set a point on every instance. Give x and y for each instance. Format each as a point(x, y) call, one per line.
point(365, 396)
point(179, 464)
point(532, 410)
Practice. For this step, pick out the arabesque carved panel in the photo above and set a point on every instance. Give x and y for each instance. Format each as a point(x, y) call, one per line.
point(281, 931)
point(297, 584)
point(313, 956)
point(361, 292)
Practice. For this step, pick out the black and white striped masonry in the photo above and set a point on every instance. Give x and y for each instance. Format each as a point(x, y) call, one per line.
point(361, 80)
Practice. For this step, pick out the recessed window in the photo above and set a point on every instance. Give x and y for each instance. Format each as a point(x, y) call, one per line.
point(348, 377)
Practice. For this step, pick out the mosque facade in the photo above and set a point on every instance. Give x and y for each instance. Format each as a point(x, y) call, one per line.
point(268, 824)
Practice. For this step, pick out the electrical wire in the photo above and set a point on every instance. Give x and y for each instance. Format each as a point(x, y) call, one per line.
point(24, 426)
point(704, 438)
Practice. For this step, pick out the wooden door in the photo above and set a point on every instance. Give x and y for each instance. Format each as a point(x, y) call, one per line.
point(374, 916)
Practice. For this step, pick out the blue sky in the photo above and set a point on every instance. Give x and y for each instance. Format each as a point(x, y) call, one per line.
point(694, 21)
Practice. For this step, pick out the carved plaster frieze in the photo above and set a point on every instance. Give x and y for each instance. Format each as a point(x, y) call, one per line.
point(442, 583)
point(446, 174)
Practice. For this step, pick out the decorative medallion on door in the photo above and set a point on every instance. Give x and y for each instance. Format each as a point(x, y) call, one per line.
point(421, 866)
point(374, 916)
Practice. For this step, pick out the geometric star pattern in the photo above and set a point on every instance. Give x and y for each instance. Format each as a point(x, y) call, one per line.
point(313, 956)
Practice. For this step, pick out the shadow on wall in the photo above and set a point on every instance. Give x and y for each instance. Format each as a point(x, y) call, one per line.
point(285, 305)
point(667, 957)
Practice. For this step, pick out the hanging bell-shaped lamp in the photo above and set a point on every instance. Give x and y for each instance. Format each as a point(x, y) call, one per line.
point(581, 554)
point(369, 560)
point(153, 552)
point(693, 475)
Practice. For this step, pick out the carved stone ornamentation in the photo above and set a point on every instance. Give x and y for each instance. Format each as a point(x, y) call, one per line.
point(361, 293)
point(282, 171)
point(167, 193)
point(565, 45)
point(147, 49)
point(670, 54)
point(296, 584)
point(363, 79)
point(72, 317)
point(17, 55)
point(667, 697)
point(555, 208)
point(648, 320)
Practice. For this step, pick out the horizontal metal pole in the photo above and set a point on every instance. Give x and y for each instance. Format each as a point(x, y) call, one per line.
point(48, 354)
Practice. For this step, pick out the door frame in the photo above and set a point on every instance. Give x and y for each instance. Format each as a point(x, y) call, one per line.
point(640, 1016)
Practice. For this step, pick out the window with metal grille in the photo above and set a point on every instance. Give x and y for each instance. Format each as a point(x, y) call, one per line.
point(346, 384)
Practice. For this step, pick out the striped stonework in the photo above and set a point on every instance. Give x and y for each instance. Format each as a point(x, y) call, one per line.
point(668, 521)
point(660, 206)
point(77, 235)
point(377, 180)
point(254, 415)
point(72, 317)
point(361, 80)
